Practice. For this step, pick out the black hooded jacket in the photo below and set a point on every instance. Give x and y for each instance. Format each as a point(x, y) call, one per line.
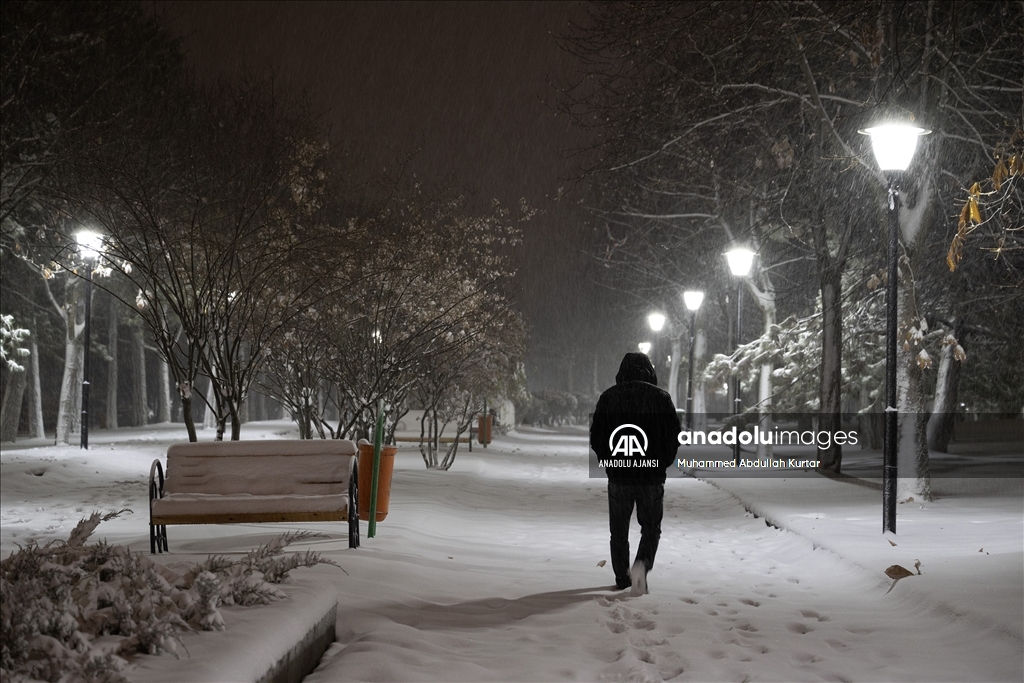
point(635, 400)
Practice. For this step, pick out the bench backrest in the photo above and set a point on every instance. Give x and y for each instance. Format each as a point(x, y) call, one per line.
point(264, 467)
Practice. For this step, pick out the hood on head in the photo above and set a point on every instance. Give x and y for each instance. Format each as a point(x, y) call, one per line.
point(636, 367)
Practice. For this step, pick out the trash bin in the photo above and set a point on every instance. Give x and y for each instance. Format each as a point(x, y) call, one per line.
point(483, 428)
point(387, 469)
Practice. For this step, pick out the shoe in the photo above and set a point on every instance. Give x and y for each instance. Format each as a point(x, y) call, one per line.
point(623, 584)
point(638, 574)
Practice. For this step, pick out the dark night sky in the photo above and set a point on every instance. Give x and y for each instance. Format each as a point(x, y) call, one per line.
point(465, 83)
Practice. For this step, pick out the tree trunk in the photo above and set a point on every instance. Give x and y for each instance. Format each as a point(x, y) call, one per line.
point(766, 302)
point(304, 416)
point(254, 406)
point(830, 385)
point(424, 435)
point(944, 408)
point(765, 421)
point(700, 404)
point(673, 371)
point(164, 400)
point(140, 393)
point(210, 412)
point(185, 393)
point(461, 427)
point(112, 343)
point(10, 411)
point(913, 479)
point(869, 421)
point(235, 415)
point(36, 429)
point(69, 409)
point(222, 421)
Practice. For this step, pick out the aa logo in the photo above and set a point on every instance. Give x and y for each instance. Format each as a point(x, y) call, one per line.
point(631, 441)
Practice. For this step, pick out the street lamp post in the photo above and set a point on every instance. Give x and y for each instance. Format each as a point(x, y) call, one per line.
point(693, 300)
point(894, 146)
point(740, 262)
point(657, 321)
point(89, 246)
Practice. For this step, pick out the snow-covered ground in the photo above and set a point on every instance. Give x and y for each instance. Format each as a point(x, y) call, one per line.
point(490, 571)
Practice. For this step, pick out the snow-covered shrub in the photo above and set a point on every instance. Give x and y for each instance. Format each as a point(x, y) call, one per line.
point(249, 580)
point(57, 599)
point(11, 339)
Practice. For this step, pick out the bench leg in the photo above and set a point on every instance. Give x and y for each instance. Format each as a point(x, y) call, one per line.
point(157, 539)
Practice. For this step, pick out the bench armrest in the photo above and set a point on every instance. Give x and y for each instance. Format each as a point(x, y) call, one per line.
point(156, 480)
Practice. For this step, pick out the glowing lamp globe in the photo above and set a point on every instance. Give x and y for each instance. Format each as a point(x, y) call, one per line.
point(90, 244)
point(740, 261)
point(645, 347)
point(656, 321)
point(894, 144)
point(693, 300)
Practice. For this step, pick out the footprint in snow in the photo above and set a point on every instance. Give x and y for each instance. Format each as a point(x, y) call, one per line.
point(616, 626)
point(811, 614)
point(837, 645)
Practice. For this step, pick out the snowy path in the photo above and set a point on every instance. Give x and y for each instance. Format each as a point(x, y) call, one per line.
point(731, 598)
point(489, 572)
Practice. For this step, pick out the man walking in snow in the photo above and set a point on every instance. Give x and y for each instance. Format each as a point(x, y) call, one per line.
point(634, 432)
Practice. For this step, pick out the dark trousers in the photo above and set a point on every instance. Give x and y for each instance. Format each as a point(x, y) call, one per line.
point(649, 501)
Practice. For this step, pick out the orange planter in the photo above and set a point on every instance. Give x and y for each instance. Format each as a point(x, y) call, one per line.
point(387, 468)
point(483, 429)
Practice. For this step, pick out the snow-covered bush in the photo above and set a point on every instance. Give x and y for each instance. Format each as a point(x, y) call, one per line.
point(11, 340)
point(57, 600)
point(249, 581)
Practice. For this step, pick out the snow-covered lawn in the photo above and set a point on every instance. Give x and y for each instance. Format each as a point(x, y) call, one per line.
point(490, 571)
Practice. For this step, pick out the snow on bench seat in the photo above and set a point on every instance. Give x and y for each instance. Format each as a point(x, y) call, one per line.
point(225, 482)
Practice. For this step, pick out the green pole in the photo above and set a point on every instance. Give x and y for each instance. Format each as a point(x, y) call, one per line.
point(378, 436)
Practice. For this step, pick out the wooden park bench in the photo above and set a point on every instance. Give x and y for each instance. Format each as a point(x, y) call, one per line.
point(444, 439)
point(237, 482)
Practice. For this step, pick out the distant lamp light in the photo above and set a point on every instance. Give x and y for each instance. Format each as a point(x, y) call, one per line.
point(894, 144)
point(645, 347)
point(693, 300)
point(656, 321)
point(740, 261)
point(90, 244)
